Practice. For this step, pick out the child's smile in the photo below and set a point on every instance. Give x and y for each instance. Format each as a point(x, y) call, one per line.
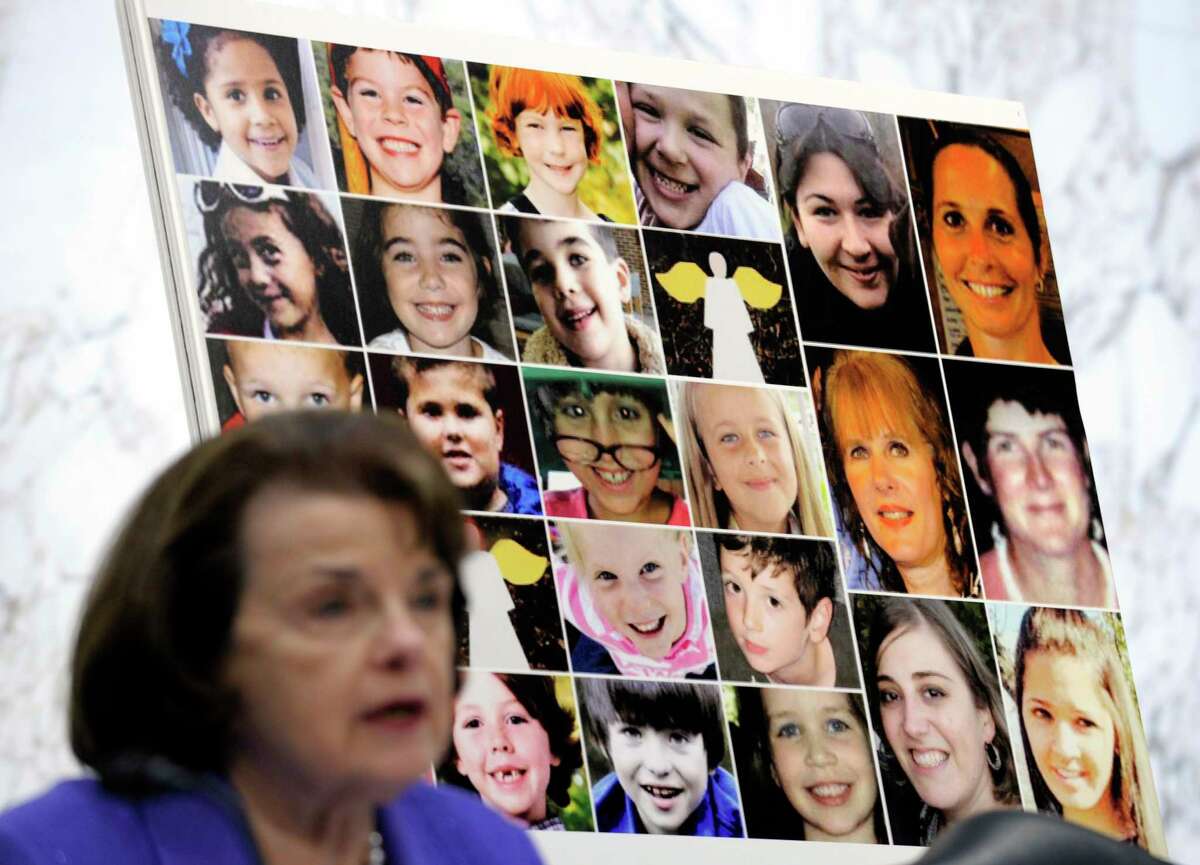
point(553, 148)
point(664, 772)
point(392, 112)
point(686, 151)
point(246, 101)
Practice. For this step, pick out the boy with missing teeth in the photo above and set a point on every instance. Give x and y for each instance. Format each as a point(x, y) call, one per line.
point(664, 741)
point(581, 285)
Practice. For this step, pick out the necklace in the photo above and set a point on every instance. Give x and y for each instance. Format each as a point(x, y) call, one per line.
point(375, 854)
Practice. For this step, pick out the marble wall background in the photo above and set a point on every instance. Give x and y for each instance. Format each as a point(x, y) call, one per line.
point(90, 403)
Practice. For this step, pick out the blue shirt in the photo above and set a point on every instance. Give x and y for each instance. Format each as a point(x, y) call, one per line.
point(718, 813)
point(521, 489)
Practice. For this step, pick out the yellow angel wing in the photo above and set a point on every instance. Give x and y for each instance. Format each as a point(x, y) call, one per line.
point(685, 281)
point(519, 566)
point(757, 290)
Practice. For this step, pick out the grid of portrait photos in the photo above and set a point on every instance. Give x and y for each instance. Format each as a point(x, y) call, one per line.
point(782, 518)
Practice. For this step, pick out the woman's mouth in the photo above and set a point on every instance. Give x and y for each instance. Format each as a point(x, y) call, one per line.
point(401, 715)
point(865, 277)
point(894, 516)
point(987, 290)
point(760, 484)
point(576, 319)
point(436, 311)
point(830, 794)
point(670, 188)
point(930, 758)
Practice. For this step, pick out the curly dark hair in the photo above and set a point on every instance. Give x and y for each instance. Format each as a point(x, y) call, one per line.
point(183, 87)
point(222, 298)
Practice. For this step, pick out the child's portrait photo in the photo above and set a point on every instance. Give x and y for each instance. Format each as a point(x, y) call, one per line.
point(658, 750)
point(552, 144)
point(633, 599)
point(724, 309)
point(512, 608)
point(242, 107)
point(516, 743)
point(270, 262)
point(806, 765)
point(778, 611)
point(753, 459)
point(400, 125)
point(253, 378)
point(580, 295)
point(991, 278)
point(849, 234)
point(470, 416)
point(606, 447)
point(699, 161)
point(427, 280)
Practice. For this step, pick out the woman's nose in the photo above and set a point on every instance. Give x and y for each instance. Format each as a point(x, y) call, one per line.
point(854, 240)
point(260, 271)
point(1065, 742)
point(1036, 474)
point(916, 721)
point(881, 475)
point(400, 639)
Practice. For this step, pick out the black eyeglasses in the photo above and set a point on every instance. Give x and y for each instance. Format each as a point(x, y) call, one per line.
point(795, 120)
point(634, 458)
point(209, 194)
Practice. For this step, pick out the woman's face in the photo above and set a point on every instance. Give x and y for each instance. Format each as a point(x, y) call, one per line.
point(821, 759)
point(847, 232)
point(933, 723)
point(614, 492)
point(981, 244)
point(750, 454)
point(501, 748)
point(273, 268)
point(1069, 728)
point(432, 281)
point(894, 482)
point(342, 646)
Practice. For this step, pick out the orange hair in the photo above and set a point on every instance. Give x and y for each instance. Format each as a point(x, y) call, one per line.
point(512, 90)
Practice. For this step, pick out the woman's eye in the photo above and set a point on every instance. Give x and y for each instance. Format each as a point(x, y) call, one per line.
point(425, 602)
point(1001, 226)
point(824, 211)
point(575, 412)
point(859, 452)
point(330, 608)
point(1085, 723)
point(933, 693)
point(628, 413)
point(888, 696)
point(898, 449)
point(871, 211)
point(1058, 441)
point(953, 219)
point(1040, 714)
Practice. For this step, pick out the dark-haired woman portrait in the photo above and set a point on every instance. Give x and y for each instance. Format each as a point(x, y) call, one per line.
point(264, 671)
point(850, 244)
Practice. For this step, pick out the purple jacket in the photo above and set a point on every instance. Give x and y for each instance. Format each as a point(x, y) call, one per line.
point(80, 823)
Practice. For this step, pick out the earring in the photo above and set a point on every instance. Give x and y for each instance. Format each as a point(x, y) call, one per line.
point(993, 756)
point(1097, 530)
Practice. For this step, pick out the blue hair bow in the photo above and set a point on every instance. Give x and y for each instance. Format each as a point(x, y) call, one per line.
point(174, 33)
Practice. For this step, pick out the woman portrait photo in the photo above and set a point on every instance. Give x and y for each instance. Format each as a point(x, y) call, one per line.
point(264, 669)
point(902, 518)
point(849, 236)
point(934, 698)
point(984, 240)
point(517, 744)
point(270, 263)
point(807, 766)
point(1085, 750)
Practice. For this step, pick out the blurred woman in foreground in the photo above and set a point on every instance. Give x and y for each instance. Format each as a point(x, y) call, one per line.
point(265, 666)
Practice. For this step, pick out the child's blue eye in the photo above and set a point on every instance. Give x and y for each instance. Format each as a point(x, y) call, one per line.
point(263, 396)
point(836, 725)
point(767, 434)
point(651, 569)
point(788, 730)
point(319, 399)
point(729, 438)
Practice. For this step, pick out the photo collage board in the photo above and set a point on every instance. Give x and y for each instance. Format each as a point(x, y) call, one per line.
point(781, 513)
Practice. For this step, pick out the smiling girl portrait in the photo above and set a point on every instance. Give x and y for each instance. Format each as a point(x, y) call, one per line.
point(241, 106)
